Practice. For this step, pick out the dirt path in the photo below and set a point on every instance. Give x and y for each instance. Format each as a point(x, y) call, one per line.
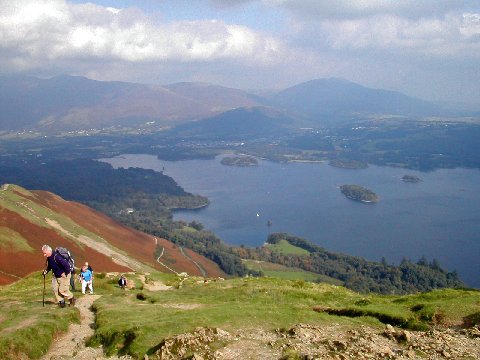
point(182, 251)
point(71, 345)
point(161, 263)
point(202, 270)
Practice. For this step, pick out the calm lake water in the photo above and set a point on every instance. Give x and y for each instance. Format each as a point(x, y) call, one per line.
point(438, 217)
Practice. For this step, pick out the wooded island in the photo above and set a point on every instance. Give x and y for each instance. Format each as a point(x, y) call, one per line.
point(359, 193)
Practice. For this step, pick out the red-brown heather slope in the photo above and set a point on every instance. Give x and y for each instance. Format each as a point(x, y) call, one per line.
point(18, 261)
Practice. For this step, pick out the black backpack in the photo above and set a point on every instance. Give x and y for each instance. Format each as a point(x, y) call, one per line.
point(67, 256)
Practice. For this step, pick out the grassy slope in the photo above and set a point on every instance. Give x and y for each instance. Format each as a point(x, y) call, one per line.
point(288, 273)
point(28, 219)
point(27, 328)
point(284, 247)
point(137, 320)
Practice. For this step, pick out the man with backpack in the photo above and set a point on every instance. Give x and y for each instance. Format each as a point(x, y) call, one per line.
point(62, 272)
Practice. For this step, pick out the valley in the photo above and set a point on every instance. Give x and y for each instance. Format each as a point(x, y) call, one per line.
point(142, 190)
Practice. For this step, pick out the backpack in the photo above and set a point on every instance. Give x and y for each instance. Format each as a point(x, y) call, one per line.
point(67, 256)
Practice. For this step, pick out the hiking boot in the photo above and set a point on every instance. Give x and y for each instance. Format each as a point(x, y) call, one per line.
point(72, 301)
point(61, 303)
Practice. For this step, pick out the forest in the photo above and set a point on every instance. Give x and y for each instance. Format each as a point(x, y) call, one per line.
point(357, 273)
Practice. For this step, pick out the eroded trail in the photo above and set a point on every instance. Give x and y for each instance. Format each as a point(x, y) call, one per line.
point(71, 345)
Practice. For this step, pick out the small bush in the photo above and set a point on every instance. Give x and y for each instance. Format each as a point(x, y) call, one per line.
point(291, 355)
point(417, 307)
point(439, 317)
point(141, 296)
point(363, 302)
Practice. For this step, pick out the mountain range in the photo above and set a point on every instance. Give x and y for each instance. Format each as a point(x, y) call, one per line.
point(30, 219)
point(66, 103)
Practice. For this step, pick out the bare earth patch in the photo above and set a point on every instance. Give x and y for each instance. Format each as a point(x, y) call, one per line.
point(20, 325)
point(152, 285)
point(71, 345)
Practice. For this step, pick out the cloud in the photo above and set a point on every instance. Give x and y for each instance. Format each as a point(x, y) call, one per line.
point(317, 10)
point(454, 35)
point(229, 3)
point(32, 32)
point(382, 43)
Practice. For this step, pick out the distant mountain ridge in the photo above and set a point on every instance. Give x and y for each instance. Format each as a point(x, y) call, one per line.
point(78, 103)
point(339, 97)
point(65, 103)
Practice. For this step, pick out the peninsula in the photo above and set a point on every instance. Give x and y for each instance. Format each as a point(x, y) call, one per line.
point(359, 193)
point(348, 164)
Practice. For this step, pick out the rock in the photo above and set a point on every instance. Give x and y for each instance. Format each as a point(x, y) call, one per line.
point(405, 336)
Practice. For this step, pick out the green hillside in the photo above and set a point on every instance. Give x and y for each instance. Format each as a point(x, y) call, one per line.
point(140, 321)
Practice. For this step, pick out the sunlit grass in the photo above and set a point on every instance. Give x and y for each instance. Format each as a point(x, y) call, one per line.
point(284, 247)
point(136, 321)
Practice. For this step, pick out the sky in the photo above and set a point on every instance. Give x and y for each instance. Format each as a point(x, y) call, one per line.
point(428, 49)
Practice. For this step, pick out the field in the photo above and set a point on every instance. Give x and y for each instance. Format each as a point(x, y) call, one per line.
point(137, 321)
point(287, 273)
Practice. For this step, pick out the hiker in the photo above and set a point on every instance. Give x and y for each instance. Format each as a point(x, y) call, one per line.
point(122, 282)
point(87, 279)
point(61, 273)
point(89, 267)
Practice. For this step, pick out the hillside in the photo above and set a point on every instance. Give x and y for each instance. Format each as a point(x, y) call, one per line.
point(238, 124)
point(29, 219)
point(164, 317)
point(78, 103)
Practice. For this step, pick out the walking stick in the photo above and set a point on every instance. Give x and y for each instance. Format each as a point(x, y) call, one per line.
point(43, 300)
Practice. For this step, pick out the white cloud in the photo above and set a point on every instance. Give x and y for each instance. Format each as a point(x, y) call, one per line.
point(55, 30)
point(453, 35)
point(381, 43)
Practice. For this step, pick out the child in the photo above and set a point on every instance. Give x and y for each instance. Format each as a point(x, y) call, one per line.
point(86, 277)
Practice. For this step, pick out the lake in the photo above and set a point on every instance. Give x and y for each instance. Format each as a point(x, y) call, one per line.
point(438, 217)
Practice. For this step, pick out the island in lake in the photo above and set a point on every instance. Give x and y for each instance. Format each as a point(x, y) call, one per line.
point(239, 161)
point(348, 164)
point(359, 193)
point(411, 178)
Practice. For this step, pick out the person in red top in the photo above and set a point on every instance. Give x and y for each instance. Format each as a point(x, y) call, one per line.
point(61, 273)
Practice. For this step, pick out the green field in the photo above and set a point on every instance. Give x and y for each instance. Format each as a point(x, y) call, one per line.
point(136, 321)
point(284, 247)
point(287, 273)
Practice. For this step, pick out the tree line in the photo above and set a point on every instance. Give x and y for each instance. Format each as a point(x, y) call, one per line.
point(357, 273)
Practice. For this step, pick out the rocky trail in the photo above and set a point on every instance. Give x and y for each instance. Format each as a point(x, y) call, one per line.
point(313, 342)
point(302, 341)
point(71, 345)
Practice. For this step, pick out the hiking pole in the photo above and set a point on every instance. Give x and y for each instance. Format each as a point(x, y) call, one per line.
point(43, 300)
